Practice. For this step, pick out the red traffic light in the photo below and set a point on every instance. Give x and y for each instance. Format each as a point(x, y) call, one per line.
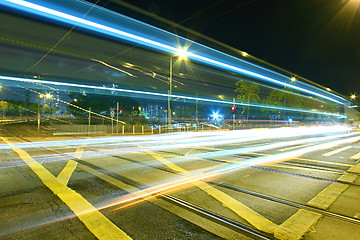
point(233, 108)
point(121, 111)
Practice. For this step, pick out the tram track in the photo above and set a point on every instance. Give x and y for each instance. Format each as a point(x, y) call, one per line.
point(219, 218)
point(261, 195)
point(234, 225)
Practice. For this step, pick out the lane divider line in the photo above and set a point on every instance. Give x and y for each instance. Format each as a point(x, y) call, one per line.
point(65, 174)
point(337, 151)
point(207, 224)
point(240, 209)
point(95, 221)
point(294, 147)
point(356, 156)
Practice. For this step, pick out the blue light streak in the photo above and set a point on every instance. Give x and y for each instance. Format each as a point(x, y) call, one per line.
point(83, 86)
point(101, 28)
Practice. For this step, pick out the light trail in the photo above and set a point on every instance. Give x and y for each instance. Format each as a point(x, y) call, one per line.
point(215, 172)
point(184, 140)
point(94, 26)
point(165, 95)
point(125, 147)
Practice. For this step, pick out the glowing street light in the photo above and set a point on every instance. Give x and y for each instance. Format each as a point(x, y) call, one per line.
point(48, 95)
point(215, 116)
point(353, 96)
point(293, 79)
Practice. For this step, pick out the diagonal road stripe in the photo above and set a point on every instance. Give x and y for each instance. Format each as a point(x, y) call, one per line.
point(95, 221)
point(240, 209)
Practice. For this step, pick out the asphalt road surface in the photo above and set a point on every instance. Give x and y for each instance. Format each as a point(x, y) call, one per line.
point(286, 183)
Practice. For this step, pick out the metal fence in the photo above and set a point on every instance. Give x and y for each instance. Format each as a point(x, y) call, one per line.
point(145, 129)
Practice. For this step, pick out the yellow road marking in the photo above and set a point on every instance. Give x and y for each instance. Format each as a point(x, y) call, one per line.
point(240, 209)
point(209, 148)
point(303, 159)
point(356, 156)
point(96, 222)
point(204, 223)
point(78, 153)
point(109, 179)
point(337, 151)
point(297, 225)
point(65, 174)
point(355, 169)
point(294, 147)
point(306, 160)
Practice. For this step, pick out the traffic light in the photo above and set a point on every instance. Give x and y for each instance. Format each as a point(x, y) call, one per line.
point(233, 108)
point(121, 111)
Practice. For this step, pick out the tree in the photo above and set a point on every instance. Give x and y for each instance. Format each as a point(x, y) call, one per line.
point(247, 92)
point(275, 98)
point(46, 108)
point(4, 106)
point(293, 100)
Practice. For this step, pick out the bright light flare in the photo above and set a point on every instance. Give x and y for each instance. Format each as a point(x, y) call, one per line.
point(182, 53)
point(215, 116)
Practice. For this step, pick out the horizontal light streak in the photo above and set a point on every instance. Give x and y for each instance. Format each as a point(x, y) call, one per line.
point(60, 16)
point(83, 86)
point(215, 172)
point(205, 174)
point(188, 139)
point(123, 145)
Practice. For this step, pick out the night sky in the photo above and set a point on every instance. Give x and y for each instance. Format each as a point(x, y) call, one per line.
point(316, 39)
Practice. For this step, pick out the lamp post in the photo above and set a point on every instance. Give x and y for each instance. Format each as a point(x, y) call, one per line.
point(38, 115)
point(170, 91)
point(182, 55)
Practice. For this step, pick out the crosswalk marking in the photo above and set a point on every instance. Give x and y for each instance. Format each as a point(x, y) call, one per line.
point(336, 151)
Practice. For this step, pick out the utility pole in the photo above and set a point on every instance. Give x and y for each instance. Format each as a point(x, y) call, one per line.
point(170, 91)
point(234, 114)
point(89, 119)
point(38, 117)
point(196, 110)
point(117, 117)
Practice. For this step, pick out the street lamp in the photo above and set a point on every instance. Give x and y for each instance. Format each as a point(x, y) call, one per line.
point(48, 96)
point(182, 55)
point(353, 96)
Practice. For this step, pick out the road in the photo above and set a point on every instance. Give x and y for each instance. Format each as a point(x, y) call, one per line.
point(286, 183)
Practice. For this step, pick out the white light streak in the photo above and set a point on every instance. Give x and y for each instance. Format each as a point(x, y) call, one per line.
point(83, 86)
point(148, 42)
